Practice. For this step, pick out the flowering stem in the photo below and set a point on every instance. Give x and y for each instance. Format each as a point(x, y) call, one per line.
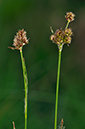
point(57, 88)
point(25, 85)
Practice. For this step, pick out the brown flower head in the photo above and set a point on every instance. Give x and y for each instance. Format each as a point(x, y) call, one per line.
point(57, 37)
point(20, 39)
point(61, 36)
point(70, 16)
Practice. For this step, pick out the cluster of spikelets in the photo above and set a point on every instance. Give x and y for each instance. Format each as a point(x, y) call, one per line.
point(60, 36)
point(19, 40)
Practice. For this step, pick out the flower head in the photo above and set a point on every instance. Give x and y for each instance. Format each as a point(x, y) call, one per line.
point(20, 39)
point(57, 37)
point(70, 16)
point(62, 36)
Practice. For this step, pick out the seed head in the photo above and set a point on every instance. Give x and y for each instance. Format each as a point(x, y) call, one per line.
point(57, 38)
point(62, 36)
point(70, 16)
point(20, 39)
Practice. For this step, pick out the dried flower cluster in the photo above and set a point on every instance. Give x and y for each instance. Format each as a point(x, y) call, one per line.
point(62, 36)
point(20, 39)
point(70, 16)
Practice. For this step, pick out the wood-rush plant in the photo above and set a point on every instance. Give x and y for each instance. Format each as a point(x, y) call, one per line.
point(19, 41)
point(61, 37)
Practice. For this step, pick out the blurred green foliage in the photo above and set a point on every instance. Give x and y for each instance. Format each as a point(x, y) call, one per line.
point(41, 56)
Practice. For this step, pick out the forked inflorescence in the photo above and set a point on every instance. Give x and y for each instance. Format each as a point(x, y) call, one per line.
point(61, 37)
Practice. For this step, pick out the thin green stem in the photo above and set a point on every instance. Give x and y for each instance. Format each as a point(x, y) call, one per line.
point(67, 24)
point(25, 85)
point(57, 89)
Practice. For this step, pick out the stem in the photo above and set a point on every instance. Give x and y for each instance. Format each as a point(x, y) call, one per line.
point(25, 85)
point(57, 88)
point(67, 24)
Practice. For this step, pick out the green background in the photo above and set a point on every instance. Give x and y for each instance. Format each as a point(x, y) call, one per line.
point(41, 56)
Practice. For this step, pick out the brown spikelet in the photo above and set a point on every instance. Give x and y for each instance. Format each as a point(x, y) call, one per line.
point(19, 40)
point(70, 16)
point(62, 36)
